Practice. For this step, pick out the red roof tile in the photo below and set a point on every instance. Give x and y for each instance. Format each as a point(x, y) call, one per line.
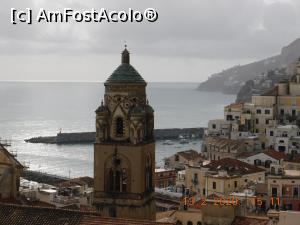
point(275, 154)
point(28, 215)
point(249, 221)
point(233, 166)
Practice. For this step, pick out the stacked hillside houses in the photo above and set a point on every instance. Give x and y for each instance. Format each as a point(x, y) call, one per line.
point(254, 151)
point(270, 121)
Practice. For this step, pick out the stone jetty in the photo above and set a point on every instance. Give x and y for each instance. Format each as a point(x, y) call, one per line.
point(89, 137)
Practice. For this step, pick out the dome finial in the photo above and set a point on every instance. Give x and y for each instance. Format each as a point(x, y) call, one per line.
point(125, 55)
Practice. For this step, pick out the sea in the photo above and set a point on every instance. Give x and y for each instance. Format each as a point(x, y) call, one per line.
point(32, 109)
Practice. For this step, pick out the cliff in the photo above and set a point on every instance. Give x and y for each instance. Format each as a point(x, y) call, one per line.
point(231, 80)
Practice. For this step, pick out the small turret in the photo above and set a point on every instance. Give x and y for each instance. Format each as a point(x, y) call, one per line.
point(125, 56)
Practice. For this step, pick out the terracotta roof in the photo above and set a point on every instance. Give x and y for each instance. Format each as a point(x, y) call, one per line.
point(250, 221)
point(235, 106)
point(233, 166)
point(270, 152)
point(292, 158)
point(97, 220)
point(223, 142)
point(190, 154)
point(27, 215)
point(275, 154)
point(11, 156)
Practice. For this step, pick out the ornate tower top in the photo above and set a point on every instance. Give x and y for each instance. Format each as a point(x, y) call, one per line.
point(125, 73)
point(125, 115)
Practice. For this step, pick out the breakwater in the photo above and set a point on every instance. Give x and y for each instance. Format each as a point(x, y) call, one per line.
point(41, 177)
point(89, 137)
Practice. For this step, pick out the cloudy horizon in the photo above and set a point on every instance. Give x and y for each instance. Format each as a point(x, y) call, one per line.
point(189, 41)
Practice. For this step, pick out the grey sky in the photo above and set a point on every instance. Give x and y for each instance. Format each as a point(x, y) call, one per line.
point(191, 39)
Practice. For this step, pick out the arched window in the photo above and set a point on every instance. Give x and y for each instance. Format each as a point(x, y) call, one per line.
point(119, 126)
point(117, 180)
point(117, 174)
point(189, 223)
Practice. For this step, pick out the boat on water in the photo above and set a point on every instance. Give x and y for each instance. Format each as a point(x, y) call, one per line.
point(168, 142)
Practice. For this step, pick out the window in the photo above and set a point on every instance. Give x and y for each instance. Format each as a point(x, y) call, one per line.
point(268, 163)
point(257, 162)
point(235, 184)
point(256, 131)
point(199, 223)
point(274, 191)
point(271, 133)
point(257, 121)
point(214, 185)
point(189, 223)
point(267, 111)
point(267, 121)
point(258, 111)
point(203, 192)
point(214, 126)
point(281, 111)
point(281, 148)
point(293, 112)
point(119, 126)
point(117, 180)
point(295, 192)
point(229, 117)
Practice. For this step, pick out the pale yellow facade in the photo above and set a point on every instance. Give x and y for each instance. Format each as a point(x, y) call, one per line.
point(220, 183)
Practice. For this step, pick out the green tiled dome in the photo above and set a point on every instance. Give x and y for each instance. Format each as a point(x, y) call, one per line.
point(125, 73)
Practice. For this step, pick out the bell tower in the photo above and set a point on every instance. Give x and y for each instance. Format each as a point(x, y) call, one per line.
point(124, 151)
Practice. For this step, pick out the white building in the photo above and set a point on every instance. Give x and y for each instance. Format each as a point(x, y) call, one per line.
point(264, 159)
point(284, 138)
point(218, 127)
